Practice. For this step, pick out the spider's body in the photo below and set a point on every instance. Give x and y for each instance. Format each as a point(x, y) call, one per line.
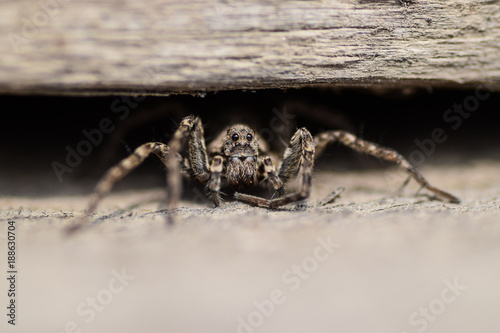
point(238, 159)
point(240, 152)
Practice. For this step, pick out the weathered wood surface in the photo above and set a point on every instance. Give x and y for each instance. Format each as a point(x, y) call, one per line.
point(160, 46)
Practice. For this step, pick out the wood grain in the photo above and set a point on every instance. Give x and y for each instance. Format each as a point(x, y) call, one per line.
point(164, 46)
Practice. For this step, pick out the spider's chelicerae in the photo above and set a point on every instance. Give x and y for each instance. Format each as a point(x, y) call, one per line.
point(239, 158)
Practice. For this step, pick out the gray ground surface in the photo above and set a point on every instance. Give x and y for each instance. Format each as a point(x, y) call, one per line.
point(392, 268)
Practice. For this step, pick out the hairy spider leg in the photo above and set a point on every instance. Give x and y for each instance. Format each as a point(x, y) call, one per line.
point(214, 184)
point(190, 128)
point(116, 173)
point(347, 139)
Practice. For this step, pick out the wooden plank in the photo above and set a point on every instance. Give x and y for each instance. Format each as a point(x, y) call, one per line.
point(162, 46)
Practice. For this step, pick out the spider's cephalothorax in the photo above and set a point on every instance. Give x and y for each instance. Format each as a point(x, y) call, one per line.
point(240, 151)
point(239, 158)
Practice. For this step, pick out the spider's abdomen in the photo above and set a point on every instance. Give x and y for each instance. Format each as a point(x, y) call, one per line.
point(241, 171)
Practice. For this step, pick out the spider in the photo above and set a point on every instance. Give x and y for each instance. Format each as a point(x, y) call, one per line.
point(238, 159)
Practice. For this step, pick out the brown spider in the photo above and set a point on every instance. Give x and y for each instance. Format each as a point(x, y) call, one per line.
point(238, 159)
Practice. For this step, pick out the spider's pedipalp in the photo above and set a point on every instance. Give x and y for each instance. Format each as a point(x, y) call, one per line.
point(269, 173)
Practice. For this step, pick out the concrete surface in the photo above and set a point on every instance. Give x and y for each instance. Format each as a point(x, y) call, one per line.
point(394, 264)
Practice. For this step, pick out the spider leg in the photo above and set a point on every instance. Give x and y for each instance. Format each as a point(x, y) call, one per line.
point(119, 171)
point(215, 179)
point(366, 147)
point(190, 129)
point(298, 160)
point(198, 157)
point(330, 198)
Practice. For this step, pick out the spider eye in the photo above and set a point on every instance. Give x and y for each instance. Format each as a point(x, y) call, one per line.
point(249, 137)
point(235, 137)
